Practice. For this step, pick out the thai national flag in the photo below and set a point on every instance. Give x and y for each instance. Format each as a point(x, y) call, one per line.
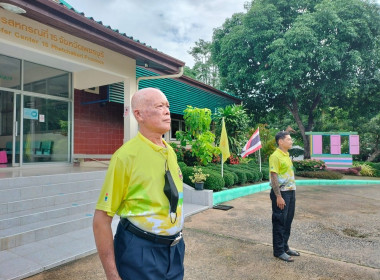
point(252, 145)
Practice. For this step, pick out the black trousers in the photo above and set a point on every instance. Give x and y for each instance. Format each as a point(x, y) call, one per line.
point(282, 221)
point(140, 259)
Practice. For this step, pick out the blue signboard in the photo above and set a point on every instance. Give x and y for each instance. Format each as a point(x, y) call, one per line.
point(31, 114)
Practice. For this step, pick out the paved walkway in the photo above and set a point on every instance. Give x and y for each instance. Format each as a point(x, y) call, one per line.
point(336, 229)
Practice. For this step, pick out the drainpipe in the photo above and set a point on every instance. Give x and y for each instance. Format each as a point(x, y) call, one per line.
point(179, 74)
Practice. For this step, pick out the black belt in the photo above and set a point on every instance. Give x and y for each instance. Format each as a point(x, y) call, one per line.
point(167, 240)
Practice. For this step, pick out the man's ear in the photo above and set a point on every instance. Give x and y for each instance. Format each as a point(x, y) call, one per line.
point(138, 115)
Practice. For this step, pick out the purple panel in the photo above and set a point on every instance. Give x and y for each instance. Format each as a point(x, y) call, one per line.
point(317, 144)
point(335, 144)
point(354, 145)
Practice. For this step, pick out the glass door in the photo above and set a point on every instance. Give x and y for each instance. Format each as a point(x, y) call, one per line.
point(10, 149)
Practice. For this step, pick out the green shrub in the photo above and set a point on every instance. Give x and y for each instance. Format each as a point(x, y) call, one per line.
point(228, 179)
point(189, 159)
point(249, 175)
point(325, 174)
point(247, 170)
point(365, 169)
point(255, 171)
point(242, 178)
point(376, 166)
point(259, 175)
point(182, 165)
point(215, 181)
point(265, 173)
point(186, 173)
point(178, 151)
point(236, 177)
point(309, 165)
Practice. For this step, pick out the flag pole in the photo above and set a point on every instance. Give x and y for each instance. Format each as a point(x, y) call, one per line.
point(260, 158)
point(221, 161)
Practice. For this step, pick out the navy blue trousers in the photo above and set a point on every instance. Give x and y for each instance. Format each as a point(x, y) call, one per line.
point(141, 259)
point(282, 221)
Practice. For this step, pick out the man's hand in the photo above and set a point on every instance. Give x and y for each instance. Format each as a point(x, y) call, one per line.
point(280, 202)
point(104, 243)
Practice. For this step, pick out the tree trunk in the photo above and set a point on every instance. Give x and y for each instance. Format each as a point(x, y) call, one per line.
point(374, 155)
point(293, 108)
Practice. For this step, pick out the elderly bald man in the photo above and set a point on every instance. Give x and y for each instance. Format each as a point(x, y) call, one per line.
point(144, 187)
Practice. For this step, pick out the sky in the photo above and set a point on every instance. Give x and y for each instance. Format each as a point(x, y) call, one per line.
point(170, 26)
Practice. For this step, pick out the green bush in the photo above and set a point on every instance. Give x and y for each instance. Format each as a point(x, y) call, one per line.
point(178, 151)
point(265, 173)
point(259, 175)
point(229, 179)
point(215, 181)
point(236, 177)
point(365, 169)
point(254, 172)
point(376, 166)
point(189, 159)
point(249, 175)
point(182, 165)
point(325, 174)
point(186, 173)
point(242, 178)
point(247, 170)
point(309, 165)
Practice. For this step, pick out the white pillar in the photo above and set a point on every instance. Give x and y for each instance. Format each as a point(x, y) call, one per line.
point(130, 123)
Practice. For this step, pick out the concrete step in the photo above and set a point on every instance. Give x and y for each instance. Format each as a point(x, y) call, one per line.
point(28, 192)
point(20, 182)
point(22, 235)
point(55, 200)
point(16, 219)
point(42, 207)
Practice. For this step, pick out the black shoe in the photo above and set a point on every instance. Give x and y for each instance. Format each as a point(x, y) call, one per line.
point(293, 253)
point(285, 257)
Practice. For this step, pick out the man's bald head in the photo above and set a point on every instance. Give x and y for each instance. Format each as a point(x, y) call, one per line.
point(143, 97)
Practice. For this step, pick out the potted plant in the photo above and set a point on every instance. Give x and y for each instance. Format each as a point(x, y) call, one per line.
point(198, 178)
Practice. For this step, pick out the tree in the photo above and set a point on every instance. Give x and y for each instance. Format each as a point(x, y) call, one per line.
point(371, 137)
point(198, 134)
point(204, 68)
point(237, 121)
point(299, 55)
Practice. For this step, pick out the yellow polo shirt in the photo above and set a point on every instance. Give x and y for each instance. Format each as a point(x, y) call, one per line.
point(280, 163)
point(134, 186)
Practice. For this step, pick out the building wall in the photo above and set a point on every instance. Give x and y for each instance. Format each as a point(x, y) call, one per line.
point(98, 127)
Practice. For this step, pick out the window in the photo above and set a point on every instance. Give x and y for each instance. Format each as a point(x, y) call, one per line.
point(46, 80)
point(176, 125)
point(10, 72)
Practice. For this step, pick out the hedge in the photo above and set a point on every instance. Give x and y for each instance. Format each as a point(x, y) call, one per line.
point(376, 166)
point(241, 175)
point(215, 181)
point(228, 176)
point(325, 174)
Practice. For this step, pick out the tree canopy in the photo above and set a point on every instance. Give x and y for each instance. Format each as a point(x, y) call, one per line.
point(300, 56)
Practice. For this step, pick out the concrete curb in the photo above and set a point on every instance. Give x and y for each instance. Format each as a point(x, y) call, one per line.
point(231, 194)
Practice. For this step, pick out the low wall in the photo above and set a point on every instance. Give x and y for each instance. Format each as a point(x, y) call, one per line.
point(230, 194)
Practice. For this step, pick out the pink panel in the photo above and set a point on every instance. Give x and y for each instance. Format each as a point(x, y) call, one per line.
point(354, 145)
point(335, 144)
point(317, 144)
point(3, 157)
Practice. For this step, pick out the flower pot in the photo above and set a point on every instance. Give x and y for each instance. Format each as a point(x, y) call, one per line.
point(199, 186)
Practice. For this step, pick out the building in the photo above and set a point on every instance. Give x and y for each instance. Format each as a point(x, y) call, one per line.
point(66, 82)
